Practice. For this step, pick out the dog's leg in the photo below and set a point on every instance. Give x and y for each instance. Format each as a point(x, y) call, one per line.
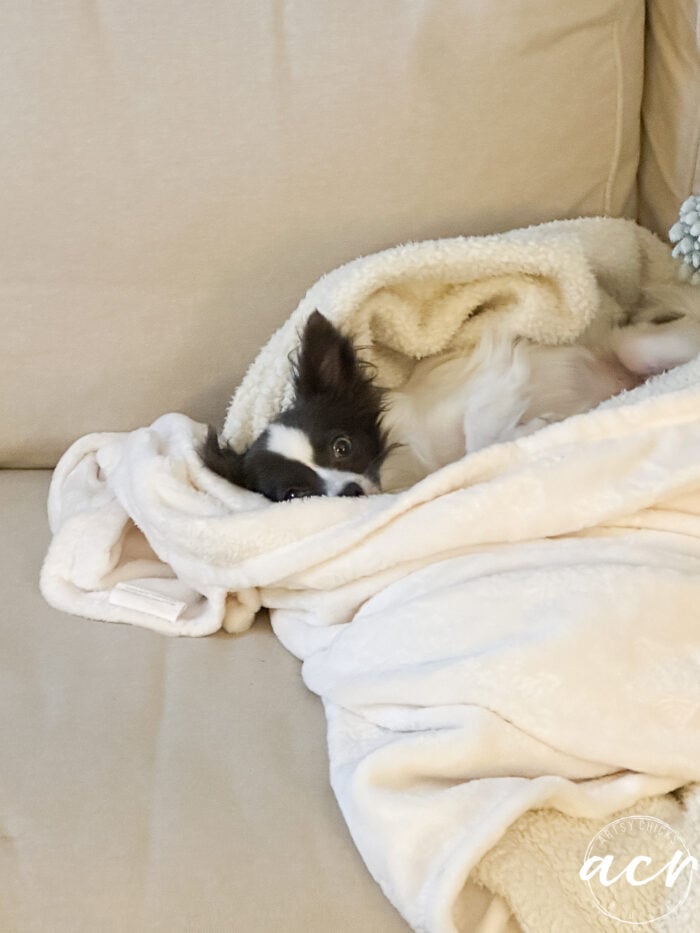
point(650, 348)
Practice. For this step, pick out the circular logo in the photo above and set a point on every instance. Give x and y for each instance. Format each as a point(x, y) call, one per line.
point(638, 869)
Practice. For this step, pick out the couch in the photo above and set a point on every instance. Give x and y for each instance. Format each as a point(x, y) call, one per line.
point(175, 176)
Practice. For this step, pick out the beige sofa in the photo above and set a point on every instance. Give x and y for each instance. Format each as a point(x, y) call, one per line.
point(175, 176)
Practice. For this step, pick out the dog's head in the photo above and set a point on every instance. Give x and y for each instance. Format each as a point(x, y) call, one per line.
point(330, 442)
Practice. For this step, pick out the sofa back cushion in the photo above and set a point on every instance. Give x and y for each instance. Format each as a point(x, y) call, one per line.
point(670, 162)
point(176, 175)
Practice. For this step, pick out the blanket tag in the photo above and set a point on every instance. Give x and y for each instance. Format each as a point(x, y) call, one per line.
point(148, 598)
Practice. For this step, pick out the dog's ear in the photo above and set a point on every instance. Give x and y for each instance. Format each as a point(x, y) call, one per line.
point(222, 460)
point(327, 363)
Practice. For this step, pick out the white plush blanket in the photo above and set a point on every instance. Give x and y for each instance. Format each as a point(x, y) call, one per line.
point(518, 632)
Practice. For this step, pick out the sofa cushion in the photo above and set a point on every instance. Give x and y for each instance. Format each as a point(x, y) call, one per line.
point(176, 175)
point(159, 784)
point(163, 784)
point(670, 163)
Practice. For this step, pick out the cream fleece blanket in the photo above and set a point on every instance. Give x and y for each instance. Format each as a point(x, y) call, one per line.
point(516, 633)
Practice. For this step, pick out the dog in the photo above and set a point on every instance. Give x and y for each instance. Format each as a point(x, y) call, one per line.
point(329, 442)
point(337, 436)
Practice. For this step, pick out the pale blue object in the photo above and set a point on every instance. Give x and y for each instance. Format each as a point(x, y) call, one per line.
point(685, 233)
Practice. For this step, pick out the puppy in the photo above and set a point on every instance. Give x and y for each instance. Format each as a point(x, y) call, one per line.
point(330, 442)
point(341, 427)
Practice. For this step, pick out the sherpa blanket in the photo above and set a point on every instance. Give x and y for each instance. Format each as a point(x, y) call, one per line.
point(518, 632)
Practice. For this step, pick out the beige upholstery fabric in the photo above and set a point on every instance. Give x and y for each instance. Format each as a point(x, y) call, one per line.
point(159, 784)
point(153, 784)
point(175, 175)
point(670, 165)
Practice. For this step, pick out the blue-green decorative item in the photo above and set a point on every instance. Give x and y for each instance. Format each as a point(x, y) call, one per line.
point(685, 233)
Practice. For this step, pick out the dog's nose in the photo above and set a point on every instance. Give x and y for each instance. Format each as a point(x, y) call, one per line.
point(352, 489)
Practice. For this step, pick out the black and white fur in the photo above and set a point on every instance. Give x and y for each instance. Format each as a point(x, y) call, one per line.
point(330, 442)
point(336, 435)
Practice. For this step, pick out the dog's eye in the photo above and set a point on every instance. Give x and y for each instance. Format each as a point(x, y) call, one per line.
point(342, 447)
point(296, 492)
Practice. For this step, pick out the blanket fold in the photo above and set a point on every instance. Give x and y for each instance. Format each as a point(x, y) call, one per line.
point(517, 632)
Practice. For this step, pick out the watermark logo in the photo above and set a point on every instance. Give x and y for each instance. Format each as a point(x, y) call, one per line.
point(638, 869)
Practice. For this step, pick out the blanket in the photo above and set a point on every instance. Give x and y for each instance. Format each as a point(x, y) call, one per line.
point(514, 637)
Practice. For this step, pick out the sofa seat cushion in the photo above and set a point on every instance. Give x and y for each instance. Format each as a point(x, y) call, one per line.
point(153, 783)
